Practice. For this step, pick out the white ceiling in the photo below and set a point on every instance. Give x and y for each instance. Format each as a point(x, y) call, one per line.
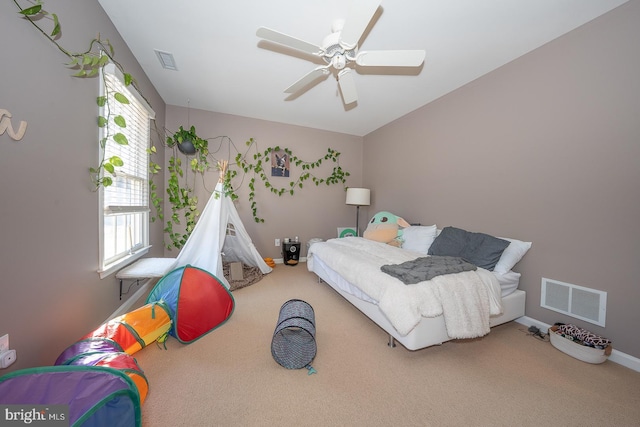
point(224, 67)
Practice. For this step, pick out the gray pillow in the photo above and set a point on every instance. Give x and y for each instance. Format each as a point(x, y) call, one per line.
point(479, 249)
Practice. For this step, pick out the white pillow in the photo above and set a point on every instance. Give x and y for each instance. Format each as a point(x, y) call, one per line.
point(510, 257)
point(508, 282)
point(418, 238)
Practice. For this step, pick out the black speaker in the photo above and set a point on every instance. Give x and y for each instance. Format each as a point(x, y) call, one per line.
point(291, 253)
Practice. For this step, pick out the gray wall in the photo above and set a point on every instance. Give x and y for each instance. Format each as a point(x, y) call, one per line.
point(50, 292)
point(545, 149)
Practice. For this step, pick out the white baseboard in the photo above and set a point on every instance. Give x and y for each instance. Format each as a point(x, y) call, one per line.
point(126, 306)
point(616, 356)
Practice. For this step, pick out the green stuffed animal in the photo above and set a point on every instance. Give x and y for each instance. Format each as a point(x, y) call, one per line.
point(386, 227)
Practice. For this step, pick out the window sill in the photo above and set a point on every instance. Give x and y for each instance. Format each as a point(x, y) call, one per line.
point(121, 263)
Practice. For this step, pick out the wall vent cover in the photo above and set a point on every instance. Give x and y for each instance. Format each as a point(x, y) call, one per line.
point(575, 301)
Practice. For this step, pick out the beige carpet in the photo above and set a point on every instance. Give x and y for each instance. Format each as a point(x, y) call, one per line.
point(508, 378)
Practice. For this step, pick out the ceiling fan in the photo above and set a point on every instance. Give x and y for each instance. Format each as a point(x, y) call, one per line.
point(340, 51)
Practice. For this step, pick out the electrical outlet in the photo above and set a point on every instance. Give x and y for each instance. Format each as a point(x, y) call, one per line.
point(277, 242)
point(4, 343)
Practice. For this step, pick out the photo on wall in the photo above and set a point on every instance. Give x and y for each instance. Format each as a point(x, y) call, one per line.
point(279, 163)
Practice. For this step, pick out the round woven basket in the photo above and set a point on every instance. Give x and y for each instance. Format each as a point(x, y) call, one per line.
point(294, 345)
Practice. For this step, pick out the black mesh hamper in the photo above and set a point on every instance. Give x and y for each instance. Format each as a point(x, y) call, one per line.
point(294, 345)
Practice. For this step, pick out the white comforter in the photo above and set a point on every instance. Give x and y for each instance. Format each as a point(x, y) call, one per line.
point(466, 300)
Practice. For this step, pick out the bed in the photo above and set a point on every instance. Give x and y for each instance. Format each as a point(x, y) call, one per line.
point(452, 306)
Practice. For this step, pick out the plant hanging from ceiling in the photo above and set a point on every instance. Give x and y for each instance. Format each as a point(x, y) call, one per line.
point(85, 65)
point(184, 204)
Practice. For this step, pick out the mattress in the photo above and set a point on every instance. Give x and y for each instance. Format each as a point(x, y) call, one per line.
point(431, 330)
point(509, 283)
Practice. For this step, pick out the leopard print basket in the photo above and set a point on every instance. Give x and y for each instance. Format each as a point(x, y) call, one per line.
point(570, 340)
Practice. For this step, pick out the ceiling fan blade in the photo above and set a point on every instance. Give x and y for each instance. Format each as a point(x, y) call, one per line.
point(308, 79)
point(286, 40)
point(390, 58)
point(347, 86)
point(358, 18)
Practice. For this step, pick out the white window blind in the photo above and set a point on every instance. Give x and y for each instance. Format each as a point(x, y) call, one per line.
point(125, 203)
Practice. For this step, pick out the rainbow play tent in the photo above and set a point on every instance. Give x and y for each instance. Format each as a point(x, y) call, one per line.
point(197, 300)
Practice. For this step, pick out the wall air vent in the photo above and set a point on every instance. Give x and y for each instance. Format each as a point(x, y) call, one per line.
point(576, 301)
point(166, 60)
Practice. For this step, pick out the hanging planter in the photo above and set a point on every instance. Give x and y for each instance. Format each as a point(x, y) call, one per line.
point(188, 142)
point(187, 148)
point(180, 194)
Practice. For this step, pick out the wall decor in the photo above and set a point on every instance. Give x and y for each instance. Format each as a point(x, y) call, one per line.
point(279, 163)
point(6, 126)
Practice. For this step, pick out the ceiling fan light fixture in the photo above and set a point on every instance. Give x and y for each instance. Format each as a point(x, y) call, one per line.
point(340, 51)
point(339, 62)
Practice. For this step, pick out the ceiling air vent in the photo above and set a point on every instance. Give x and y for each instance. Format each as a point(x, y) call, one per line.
point(166, 60)
point(575, 301)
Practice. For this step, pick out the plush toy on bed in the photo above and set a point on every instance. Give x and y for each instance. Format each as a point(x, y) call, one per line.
point(386, 227)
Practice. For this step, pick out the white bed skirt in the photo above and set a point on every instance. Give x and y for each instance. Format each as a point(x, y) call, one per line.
point(430, 331)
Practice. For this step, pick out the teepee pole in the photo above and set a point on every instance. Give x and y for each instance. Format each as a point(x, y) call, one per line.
point(222, 167)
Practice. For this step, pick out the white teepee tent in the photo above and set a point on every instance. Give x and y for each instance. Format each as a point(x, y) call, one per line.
point(219, 233)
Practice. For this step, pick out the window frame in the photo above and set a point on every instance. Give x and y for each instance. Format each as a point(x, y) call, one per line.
point(109, 266)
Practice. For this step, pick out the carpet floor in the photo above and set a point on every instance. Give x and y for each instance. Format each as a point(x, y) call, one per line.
point(507, 378)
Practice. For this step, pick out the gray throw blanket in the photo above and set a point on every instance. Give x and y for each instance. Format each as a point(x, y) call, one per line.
point(426, 268)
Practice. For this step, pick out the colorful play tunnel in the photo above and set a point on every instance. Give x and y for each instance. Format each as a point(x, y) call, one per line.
point(197, 300)
point(120, 361)
point(112, 343)
point(93, 396)
point(98, 377)
point(137, 329)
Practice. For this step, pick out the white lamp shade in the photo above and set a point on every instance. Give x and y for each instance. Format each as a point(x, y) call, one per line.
point(358, 196)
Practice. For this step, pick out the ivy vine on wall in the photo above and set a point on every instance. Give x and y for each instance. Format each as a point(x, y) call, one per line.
point(184, 204)
point(260, 159)
point(85, 65)
point(249, 164)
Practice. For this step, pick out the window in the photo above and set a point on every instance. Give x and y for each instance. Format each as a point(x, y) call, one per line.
point(124, 205)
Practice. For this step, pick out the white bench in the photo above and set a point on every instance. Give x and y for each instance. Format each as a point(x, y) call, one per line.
point(145, 268)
